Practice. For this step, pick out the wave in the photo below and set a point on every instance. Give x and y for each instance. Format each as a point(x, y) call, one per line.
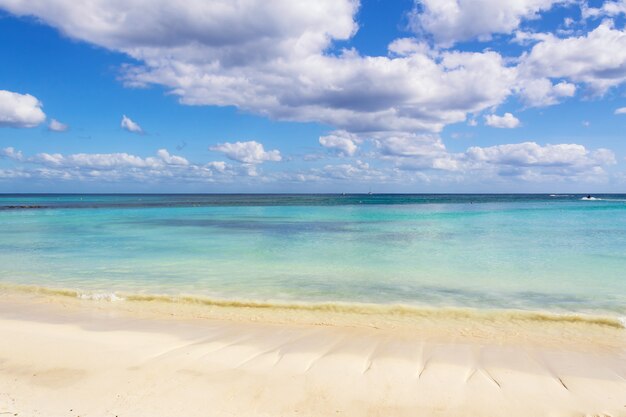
point(603, 199)
point(361, 309)
point(100, 297)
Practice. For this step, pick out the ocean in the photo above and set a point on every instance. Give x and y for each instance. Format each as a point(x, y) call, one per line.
point(561, 254)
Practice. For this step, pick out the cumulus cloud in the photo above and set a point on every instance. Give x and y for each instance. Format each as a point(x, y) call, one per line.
point(351, 92)
point(171, 159)
point(621, 110)
point(20, 110)
point(424, 158)
point(597, 59)
point(359, 170)
point(129, 125)
point(528, 161)
point(342, 142)
point(56, 126)
point(356, 172)
point(408, 46)
point(114, 167)
point(273, 61)
point(107, 161)
point(229, 29)
point(524, 38)
point(271, 58)
point(608, 8)
point(508, 121)
point(415, 152)
point(413, 157)
point(250, 152)
point(541, 92)
point(532, 154)
point(219, 166)
point(11, 153)
point(410, 145)
point(451, 21)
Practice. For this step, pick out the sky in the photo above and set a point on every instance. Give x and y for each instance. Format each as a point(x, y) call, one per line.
point(313, 96)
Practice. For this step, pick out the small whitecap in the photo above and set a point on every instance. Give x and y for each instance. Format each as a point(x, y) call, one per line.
point(100, 297)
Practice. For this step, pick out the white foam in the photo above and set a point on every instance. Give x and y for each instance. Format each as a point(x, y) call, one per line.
point(100, 297)
point(604, 199)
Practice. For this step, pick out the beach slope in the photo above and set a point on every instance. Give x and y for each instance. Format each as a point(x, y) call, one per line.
point(89, 359)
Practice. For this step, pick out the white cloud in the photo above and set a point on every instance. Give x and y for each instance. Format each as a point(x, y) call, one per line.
point(451, 21)
point(340, 141)
point(608, 8)
point(424, 158)
point(11, 153)
point(531, 162)
point(114, 167)
point(227, 30)
point(621, 110)
point(597, 59)
point(412, 157)
point(273, 59)
point(567, 157)
point(171, 159)
point(98, 161)
point(415, 152)
point(358, 171)
point(250, 152)
point(20, 110)
point(354, 93)
point(524, 161)
point(508, 121)
point(131, 126)
point(541, 92)
point(410, 145)
point(524, 38)
point(408, 46)
point(56, 126)
point(269, 58)
point(219, 166)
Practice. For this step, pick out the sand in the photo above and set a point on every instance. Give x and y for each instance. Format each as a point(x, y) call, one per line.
point(66, 357)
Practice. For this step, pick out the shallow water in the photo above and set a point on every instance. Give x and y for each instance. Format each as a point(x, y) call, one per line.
point(530, 252)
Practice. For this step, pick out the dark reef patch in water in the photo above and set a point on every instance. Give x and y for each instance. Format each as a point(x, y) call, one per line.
point(256, 225)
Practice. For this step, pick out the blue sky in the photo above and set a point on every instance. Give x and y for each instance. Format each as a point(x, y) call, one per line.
point(331, 96)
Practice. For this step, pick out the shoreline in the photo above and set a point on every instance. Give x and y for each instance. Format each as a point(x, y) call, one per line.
point(70, 357)
point(272, 310)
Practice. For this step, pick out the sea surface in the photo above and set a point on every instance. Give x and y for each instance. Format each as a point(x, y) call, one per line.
point(556, 253)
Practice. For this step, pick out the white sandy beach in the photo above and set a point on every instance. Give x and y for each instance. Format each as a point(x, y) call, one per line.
point(67, 357)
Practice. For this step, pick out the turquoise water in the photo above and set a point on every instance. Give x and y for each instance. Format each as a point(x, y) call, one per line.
point(531, 252)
